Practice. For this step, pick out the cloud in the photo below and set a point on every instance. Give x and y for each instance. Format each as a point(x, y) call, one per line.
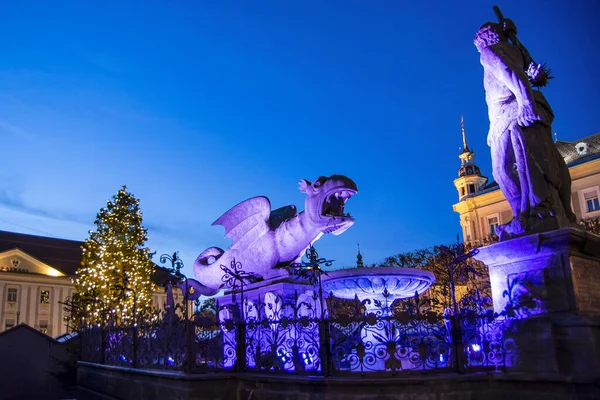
point(17, 218)
point(10, 129)
point(15, 197)
point(24, 221)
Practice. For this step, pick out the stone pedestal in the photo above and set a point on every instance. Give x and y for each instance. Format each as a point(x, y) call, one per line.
point(285, 287)
point(278, 327)
point(549, 285)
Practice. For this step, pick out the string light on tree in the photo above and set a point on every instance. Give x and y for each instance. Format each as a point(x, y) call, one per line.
point(114, 283)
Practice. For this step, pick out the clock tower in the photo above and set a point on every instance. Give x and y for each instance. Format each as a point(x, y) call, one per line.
point(469, 179)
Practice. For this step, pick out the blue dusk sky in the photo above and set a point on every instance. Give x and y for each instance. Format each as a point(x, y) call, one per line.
point(198, 105)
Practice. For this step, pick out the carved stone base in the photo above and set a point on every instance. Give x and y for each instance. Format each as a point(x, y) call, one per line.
point(276, 301)
point(286, 287)
point(549, 282)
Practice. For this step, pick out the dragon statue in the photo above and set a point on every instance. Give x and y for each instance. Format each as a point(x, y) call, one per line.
point(264, 240)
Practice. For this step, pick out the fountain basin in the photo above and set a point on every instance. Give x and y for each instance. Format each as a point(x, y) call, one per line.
point(377, 283)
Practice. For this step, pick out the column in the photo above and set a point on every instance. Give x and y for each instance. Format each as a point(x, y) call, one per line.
point(69, 294)
point(2, 305)
point(52, 320)
point(33, 306)
point(22, 306)
point(60, 328)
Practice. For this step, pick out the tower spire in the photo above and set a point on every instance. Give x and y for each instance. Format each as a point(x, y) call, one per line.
point(464, 135)
point(469, 179)
point(359, 259)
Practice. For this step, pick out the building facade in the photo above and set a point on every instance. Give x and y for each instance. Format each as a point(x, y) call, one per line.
point(482, 207)
point(35, 279)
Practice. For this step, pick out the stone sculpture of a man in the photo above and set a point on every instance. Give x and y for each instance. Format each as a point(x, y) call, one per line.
point(526, 164)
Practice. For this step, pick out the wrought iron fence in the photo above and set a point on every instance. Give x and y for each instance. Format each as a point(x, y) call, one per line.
point(312, 334)
point(272, 335)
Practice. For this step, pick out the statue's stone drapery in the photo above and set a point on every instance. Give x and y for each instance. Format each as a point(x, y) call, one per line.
point(526, 164)
point(264, 240)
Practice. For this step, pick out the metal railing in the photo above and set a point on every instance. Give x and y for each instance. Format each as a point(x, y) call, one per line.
point(272, 336)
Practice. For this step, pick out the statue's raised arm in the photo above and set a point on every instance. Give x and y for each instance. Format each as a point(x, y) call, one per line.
point(538, 74)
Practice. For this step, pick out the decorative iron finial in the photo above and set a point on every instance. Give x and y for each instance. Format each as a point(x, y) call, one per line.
point(359, 259)
point(464, 135)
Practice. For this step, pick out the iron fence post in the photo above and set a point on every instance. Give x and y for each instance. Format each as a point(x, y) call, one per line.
point(324, 332)
point(189, 331)
point(458, 265)
point(324, 351)
point(459, 350)
point(135, 345)
point(102, 345)
point(241, 347)
point(456, 331)
point(231, 278)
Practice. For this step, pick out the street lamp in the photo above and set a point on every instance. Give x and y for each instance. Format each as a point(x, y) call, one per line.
point(175, 271)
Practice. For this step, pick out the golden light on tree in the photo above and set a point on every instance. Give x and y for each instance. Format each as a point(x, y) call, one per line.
point(114, 283)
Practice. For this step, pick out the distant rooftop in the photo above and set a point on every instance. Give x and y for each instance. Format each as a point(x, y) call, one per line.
point(581, 150)
point(575, 153)
point(489, 187)
point(61, 254)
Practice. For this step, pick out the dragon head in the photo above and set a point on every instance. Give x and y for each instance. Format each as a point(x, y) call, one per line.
point(325, 201)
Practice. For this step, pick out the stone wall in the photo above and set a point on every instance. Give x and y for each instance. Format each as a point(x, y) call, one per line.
point(551, 282)
point(586, 284)
point(99, 382)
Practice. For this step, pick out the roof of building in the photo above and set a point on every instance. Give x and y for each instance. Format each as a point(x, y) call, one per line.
point(22, 326)
point(581, 150)
point(61, 254)
point(575, 153)
point(489, 187)
point(65, 337)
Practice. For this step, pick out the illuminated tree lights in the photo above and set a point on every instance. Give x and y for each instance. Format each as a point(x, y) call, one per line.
point(114, 283)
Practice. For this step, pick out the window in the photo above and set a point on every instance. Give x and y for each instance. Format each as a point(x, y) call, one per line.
point(9, 323)
point(44, 327)
point(471, 188)
point(12, 294)
point(493, 222)
point(44, 296)
point(591, 201)
point(462, 191)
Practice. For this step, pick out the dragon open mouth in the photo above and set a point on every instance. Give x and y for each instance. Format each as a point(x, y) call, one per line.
point(334, 203)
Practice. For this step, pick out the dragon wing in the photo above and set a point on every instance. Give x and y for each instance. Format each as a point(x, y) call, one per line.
point(246, 221)
point(280, 215)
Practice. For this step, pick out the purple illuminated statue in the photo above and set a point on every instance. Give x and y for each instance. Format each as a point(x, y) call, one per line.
point(526, 164)
point(265, 239)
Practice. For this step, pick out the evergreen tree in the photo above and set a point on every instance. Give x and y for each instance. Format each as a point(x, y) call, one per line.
point(470, 277)
point(114, 283)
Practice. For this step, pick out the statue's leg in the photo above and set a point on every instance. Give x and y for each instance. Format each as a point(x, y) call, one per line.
point(550, 181)
point(503, 161)
point(564, 186)
point(533, 164)
point(521, 169)
point(565, 192)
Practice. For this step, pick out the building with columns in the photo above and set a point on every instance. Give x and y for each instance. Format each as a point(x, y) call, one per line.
point(35, 277)
point(482, 207)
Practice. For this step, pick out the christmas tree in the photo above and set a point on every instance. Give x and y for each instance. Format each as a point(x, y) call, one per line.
point(114, 283)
